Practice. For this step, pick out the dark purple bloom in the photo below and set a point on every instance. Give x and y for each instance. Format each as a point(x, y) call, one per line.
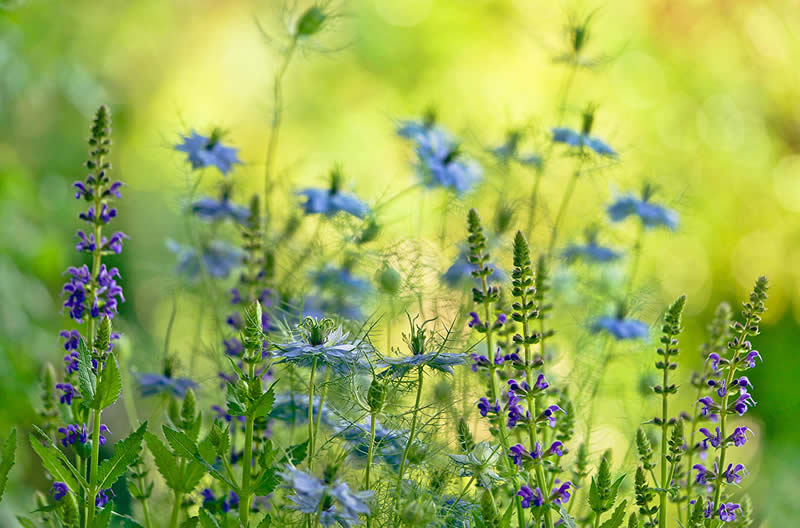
point(709, 408)
point(715, 440)
point(743, 402)
point(60, 490)
point(520, 455)
point(72, 339)
point(715, 359)
point(727, 512)
point(739, 436)
point(743, 382)
point(69, 393)
point(703, 474)
point(208, 496)
point(74, 433)
point(751, 358)
point(475, 319)
point(561, 494)
point(732, 473)
point(523, 389)
point(541, 382)
point(549, 415)
point(557, 448)
point(103, 497)
point(485, 407)
point(231, 502)
point(105, 216)
point(233, 347)
point(208, 151)
point(530, 496)
point(516, 412)
point(722, 390)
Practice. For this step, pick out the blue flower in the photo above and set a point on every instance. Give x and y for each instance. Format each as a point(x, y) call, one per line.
point(461, 271)
point(509, 151)
point(151, 384)
point(208, 151)
point(441, 164)
point(327, 202)
point(323, 344)
point(590, 251)
point(389, 444)
point(441, 361)
point(620, 327)
point(331, 277)
point(215, 210)
point(290, 408)
point(335, 501)
point(103, 497)
point(219, 259)
point(651, 215)
point(581, 140)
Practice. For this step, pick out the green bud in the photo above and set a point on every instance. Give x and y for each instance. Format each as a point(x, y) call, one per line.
point(189, 409)
point(253, 332)
point(174, 411)
point(389, 280)
point(376, 396)
point(310, 22)
point(103, 338)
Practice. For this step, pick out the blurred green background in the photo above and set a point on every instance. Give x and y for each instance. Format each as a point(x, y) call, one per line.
point(699, 97)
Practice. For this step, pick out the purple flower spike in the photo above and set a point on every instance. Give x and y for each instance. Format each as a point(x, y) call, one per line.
point(69, 393)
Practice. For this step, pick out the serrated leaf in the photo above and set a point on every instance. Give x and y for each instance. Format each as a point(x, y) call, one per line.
point(296, 454)
point(9, 456)
point(25, 522)
point(267, 482)
point(103, 519)
point(566, 517)
point(87, 380)
point(110, 385)
point(52, 463)
point(595, 502)
point(612, 497)
point(263, 405)
point(207, 520)
point(180, 443)
point(234, 404)
point(266, 522)
point(125, 452)
point(617, 518)
point(191, 476)
point(165, 461)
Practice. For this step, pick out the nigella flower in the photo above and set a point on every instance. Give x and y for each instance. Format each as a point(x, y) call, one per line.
point(151, 384)
point(485, 407)
point(581, 140)
point(386, 441)
point(509, 151)
point(60, 490)
point(591, 251)
point(561, 494)
point(651, 215)
point(732, 473)
point(290, 408)
point(530, 496)
point(218, 258)
point(739, 436)
point(214, 210)
point(331, 277)
point(441, 164)
point(479, 463)
point(418, 129)
point(69, 393)
point(208, 151)
point(328, 203)
point(103, 497)
point(727, 512)
point(323, 344)
point(335, 501)
point(441, 361)
point(461, 271)
point(620, 327)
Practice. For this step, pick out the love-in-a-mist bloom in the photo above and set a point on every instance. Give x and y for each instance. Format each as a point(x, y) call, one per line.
point(620, 327)
point(208, 151)
point(333, 200)
point(509, 152)
point(218, 209)
point(649, 213)
point(581, 139)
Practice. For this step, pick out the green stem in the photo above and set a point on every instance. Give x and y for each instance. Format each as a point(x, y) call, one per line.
point(562, 209)
point(411, 433)
point(322, 397)
point(662, 510)
point(277, 119)
point(176, 510)
point(311, 414)
point(370, 455)
point(148, 523)
point(93, 465)
point(247, 493)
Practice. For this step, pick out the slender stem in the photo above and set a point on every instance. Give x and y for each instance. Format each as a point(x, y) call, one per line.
point(93, 465)
point(322, 397)
point(662, 510)
point(247, 493)
point(145, 508)
point(413, 430)
point(370, 456)
point(176, 510)
point(277, 119)
point(311, 414)
point(562, 209)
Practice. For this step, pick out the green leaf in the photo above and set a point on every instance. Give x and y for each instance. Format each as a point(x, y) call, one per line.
point(617, 518)
point(110, 385)
point(263, 405)
point(25, 522)
point(126, 521)
point(235, 406)
point(191, 476)
point(566, 517)
point(103, 519)
point(9, 455)
point(296, 454)
point(191, 522)
point(52, 463)
point(165, 461)
point(266, 522)
point(125, 452)
point(180, 443)
point(595, 502)
point(207, 520)
point(612, 497)
point(86, 376)
point(267, 482)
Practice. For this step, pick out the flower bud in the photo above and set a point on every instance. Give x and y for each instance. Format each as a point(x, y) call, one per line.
point(188, 409)
point(376, 396)
point(103, 338)
point(310, 22)
point(389, 280)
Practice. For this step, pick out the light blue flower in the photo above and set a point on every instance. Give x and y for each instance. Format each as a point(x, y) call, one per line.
point(441, 164)
point(651, 215)
point(509, 151)
point(151, 384)
point(311, 493)
point(205, 151)
point(389, 444)
point(327, 202)
point(293, 408)
point(461, 271)
point(590, 251)
point(620, 327)
point(214, 210)
point(324, 345)
point(581, 140)
point(219, 259)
